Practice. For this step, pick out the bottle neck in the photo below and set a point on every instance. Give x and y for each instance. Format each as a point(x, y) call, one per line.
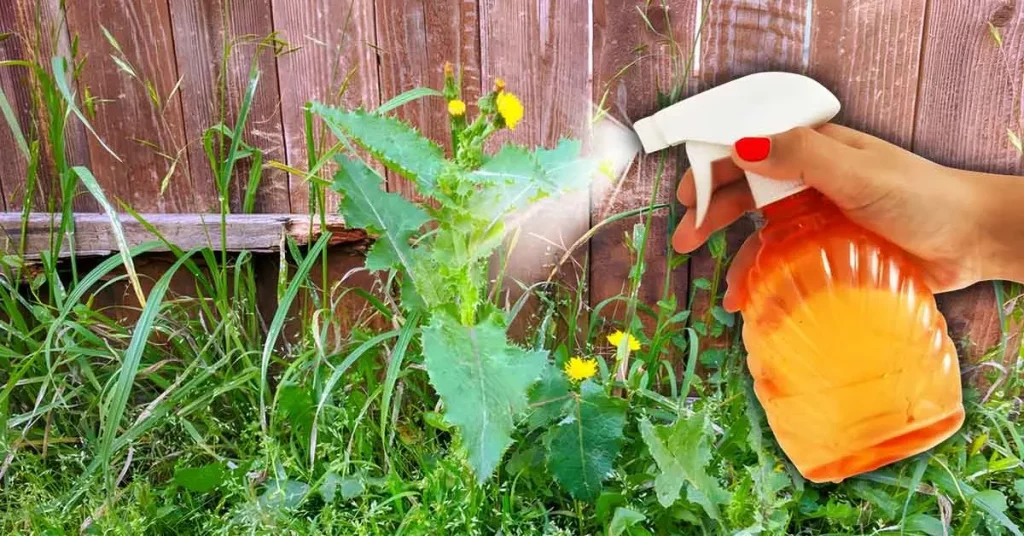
point(796, 205)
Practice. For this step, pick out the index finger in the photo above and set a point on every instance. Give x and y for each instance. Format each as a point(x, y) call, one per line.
point(723, 173)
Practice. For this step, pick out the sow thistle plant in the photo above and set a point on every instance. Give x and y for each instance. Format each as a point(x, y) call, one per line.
point(436, 254)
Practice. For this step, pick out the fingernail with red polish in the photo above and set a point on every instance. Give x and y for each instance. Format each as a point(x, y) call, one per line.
point(753, 149)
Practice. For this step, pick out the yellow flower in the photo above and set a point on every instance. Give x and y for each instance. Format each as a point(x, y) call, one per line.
point(616, 339)
point(580, 368)
point(499, 84)
point(510, 109)
point(456, 108)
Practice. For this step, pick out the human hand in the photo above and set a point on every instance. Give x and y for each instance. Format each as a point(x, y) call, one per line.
point(940, 215)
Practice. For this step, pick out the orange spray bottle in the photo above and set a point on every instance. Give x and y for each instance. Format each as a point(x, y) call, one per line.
point(849, 354)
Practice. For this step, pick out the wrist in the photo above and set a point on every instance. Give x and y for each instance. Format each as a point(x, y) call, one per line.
point(999, 209)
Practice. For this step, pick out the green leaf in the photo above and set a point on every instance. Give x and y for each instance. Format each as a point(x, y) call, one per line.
point(623, 519)
point(877, 496)
point(683, 451)
point(548, 398)
point(397, 145)
point(513, 178)
point(388, 215)
point(564, 167)
point(582, 447)
point(483, 382)
point(717, 245)
point(925, 524)
point(283, 494)
point(724, 317)
point(200, 479)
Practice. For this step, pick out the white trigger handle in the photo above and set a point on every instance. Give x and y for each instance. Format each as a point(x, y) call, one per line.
point(701, 156)
point(765, 191)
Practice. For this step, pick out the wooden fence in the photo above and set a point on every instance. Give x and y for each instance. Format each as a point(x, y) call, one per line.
point(929, 75)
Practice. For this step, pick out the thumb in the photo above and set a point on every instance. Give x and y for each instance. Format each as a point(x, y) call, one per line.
point(820, 161)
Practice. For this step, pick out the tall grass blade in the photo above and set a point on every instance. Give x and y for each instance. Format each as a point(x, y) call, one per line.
point(691, 367)
point(394, 368)
point(60, 78)
point(336, 375)
point(277, 324)
point(407, 97)
point(236, 138)
point(115, 407)
point(12, 123)
point(90, 183)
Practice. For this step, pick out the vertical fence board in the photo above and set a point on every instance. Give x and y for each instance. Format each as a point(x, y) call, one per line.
point(416, 38)
point(14, 84)
point(540, 49)
point(632, 65)
point(869, 58)
point(969, 96)
point(213, 92)
point(130, 119)
point(337, 40)
point(741, 37)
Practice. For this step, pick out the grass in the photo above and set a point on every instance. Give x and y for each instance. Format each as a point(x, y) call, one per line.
point(189, 413)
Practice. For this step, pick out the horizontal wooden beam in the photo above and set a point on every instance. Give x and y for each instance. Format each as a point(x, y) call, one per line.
point(94, 234)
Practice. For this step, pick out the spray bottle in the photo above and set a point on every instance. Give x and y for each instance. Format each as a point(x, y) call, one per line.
point(849, 353)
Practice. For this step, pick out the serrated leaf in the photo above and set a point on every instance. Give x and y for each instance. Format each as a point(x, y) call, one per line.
point(623, 519)
point(389, 215)
point(564, 167)
point(200, 479)
point(512, 178)
point(548, 398)
point(483, 382)
point(683, 452)
point(283, 494)
point(582, 447)
point(397, 145)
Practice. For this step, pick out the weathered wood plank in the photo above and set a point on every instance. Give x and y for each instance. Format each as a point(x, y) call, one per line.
point(415, 39)
point(633, 63)
point(212, 92)
point(130, 119)
point(44, 34)
point(248, 232)
point(337, 40)
point(869, 58)
point(969, 96)
point(14, 84)
point(541, 48)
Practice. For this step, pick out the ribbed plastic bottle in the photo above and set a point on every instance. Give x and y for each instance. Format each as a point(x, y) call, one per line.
point(849, 353)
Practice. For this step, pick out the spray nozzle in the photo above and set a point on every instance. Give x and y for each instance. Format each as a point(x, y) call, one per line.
point(709, 123)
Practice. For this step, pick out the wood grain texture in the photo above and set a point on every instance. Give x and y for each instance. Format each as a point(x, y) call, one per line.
point(250, 232)
point(213, 92)
point(337, 40)
point(633, 63)
point(14, 82)
point(415, 39)
point(541, 49)
point(969, 96)
point(129, 118)
point(42, 24)
point(869, 57)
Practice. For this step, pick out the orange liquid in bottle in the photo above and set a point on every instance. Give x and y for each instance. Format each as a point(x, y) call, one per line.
point(849, 354)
